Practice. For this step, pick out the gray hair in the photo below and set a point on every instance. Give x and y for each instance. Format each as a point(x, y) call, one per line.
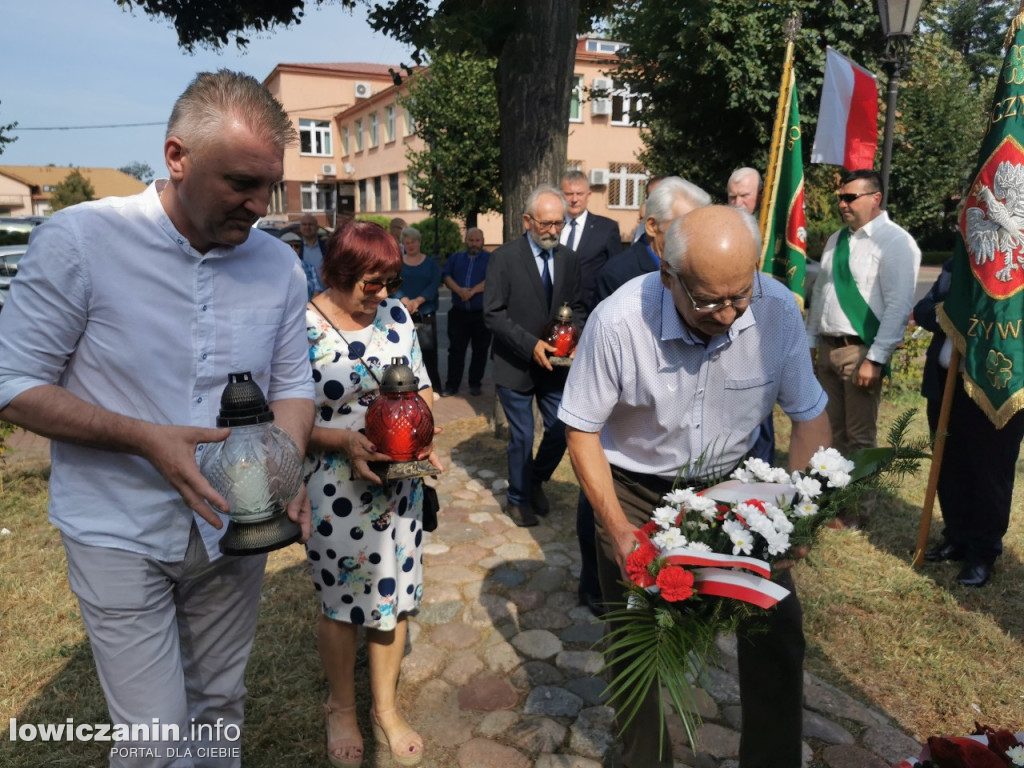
point(669, 189)
point(544, 189)
point(575, 175)
point(741, 173)
point(677, 240)
point(212, 98)
point(412, 234)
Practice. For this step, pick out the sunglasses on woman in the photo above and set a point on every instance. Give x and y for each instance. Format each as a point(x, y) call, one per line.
point(374, 286)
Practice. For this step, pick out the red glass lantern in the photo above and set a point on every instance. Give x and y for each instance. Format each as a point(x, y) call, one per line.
point(399, 421)
point(562, 334)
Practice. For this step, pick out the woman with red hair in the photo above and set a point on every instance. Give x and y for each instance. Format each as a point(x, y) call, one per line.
point(365, 550)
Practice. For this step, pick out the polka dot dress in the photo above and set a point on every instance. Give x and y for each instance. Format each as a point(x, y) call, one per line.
point(365, 550)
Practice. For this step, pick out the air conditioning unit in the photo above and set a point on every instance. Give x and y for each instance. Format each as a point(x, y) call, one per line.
point(601, 107)
point(328, 169)
point(602, 84)
point(599, 177)
point(363, 90)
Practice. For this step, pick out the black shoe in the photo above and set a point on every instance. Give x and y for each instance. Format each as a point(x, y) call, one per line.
point(521, 515)
point(474, 391)
point(592, 602)
point(539, 501)
point(940, 553)
point(975, 574)
point(449, 392)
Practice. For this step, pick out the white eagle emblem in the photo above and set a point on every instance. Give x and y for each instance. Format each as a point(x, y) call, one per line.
point(999, 229)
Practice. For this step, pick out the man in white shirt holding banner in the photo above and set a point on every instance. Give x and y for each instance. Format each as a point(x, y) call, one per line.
point(860, 304)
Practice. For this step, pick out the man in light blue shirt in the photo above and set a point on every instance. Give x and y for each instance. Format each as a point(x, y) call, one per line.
point(680, 365)
point(122, 326)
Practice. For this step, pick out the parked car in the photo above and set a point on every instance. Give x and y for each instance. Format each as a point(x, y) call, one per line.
point(276, 227)
point(10, 255)
point(20, 223)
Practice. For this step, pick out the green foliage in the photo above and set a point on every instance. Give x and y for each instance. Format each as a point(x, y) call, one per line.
point(74, 189)
point(376, 218)
point(140, 171)
point(975, 29)
point(455, 108)
point(449, 234)
point(5, 137)
point(907, 364)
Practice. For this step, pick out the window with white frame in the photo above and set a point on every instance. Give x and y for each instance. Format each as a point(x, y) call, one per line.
point(278, 199)
point(315, 138)
point(319, 197)
point(344, 140)
point(626, 183)
point(410, 124)
point(374, 130)
point(396, 204)
point(363, 202)
point(576, 100)
point(359, 135)
point(390, 123)
point(626, 105)
point(603, 46)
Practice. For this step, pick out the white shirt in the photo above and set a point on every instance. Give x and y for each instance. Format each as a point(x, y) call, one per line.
point(884, 261)
point(113, 304)
point(581, 222)
point(539, 260)
point(661, 398)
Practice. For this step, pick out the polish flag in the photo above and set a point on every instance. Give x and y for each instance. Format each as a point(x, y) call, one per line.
point(847, 132)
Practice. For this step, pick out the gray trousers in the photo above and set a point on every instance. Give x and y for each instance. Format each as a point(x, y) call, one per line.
point(171, 641)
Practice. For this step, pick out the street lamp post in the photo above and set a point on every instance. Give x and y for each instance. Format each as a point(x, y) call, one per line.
point(898, 20)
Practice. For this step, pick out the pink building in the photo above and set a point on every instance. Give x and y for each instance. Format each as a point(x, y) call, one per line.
point(354, 136)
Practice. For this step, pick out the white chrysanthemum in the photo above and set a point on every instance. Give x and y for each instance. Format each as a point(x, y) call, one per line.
point(1016, 755)
point(679, 496)
point(759, 524)
point(778, 543)
point(743, 475)
point(699, 546)
point(705, 507)
point(782, 524)
point(838, 479)
point(808, 487)
point(669, 539)
point(826, 460)
point(778, 475)
point(760, 468)
point(742, 539)
point(665, 516)
point(805, 509)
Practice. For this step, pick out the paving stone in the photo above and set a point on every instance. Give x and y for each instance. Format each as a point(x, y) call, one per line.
point(590, 689)
point(537, 734)
point(548, 579)
point(545, 618)
point(491, 610)
point(435, 696)
point(439, 613)
point(502, 658)
point(460, 554)
point(425, 662)
point(593, 733)
point(496, 724)
point(507, 577)
point(723, 687)
point(526, 599)
point(558, 559)
point(486, 474)
point(717, 740)
point(534, 673)
point(433, 548)
point(485, 753)
point(457, 730)
point(464, 532)
point(440, 593)
point(823, 729)
point(513, 551)
point(563, 600)
point(479, 518)
point(733, 715)
point(552, 701)
point(565, 761)
point(488, 693)
point(889, 743)
point(831, 702)
point(537, 644)
point(580, 663)
point(451, 574)
point(455, 635)
point(462, 667)
point(582, 634)
point(851, 757)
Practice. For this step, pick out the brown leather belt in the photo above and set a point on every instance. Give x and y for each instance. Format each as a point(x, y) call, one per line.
point(844, 341)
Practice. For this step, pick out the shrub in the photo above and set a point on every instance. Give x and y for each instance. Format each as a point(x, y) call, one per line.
point(450, 236)
point(907, 364)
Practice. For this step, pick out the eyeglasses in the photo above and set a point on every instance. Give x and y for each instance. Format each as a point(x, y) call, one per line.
point(849, 197)
point(547, 224)
point(374, 286)
point(738, 303)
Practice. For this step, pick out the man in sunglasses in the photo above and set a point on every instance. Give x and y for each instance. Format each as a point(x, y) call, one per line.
point(527, 281)
point(860, 304)
point(678, 369)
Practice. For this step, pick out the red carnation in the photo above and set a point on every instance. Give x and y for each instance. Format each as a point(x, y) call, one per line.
point(637, 563)
point(675, 583)
point(756, 503)
point(649, 528)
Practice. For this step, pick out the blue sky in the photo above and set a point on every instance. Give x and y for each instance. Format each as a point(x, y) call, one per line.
point(86, 62)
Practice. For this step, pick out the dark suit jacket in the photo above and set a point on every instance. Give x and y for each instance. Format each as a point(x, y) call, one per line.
point(619, 270)
point(599, 242)
point(933, 379)
point(515, 311)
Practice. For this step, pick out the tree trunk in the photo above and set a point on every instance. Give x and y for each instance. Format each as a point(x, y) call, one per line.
point(534, 77)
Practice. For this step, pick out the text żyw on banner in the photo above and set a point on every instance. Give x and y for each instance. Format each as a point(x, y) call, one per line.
point(847, 133)
point(984, 309)
point(784, 239)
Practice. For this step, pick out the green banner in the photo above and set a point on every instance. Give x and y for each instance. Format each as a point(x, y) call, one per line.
point(784, 249)
point(984, 309)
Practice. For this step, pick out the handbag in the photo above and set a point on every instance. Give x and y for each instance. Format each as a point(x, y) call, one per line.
point(431, 506)
point(426, 331)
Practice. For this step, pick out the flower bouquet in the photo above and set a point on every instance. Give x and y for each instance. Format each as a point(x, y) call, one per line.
point(985, 748)
point(704, 562)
